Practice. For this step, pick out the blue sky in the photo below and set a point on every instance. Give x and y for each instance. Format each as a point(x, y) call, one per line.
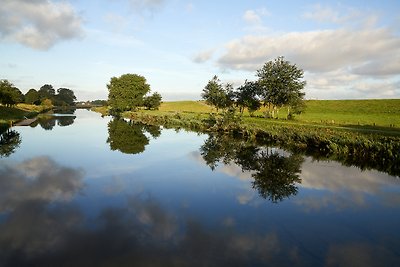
point(348, 50)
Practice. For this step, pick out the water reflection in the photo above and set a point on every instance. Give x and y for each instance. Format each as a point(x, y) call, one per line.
point(275, 174)
point(39, 179)
point(9, 142)
point(41, 226)
point(179, 214)
point(33, 208)
point(345, 187)
point(129, 137)
point(48, 122)
point(44, 228)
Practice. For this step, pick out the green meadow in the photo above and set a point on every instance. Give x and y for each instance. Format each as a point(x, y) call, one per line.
point(385, 113)
point(368, 114)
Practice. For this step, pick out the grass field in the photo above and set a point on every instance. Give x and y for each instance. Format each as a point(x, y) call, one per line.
point(380, 113)
point(384, 113)
point(186, 106)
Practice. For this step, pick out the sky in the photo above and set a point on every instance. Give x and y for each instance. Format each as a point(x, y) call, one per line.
point(347, 49)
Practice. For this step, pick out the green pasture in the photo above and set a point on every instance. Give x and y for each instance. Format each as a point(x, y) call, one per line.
point(385, 112)
point(186, 106)
point(380, 113)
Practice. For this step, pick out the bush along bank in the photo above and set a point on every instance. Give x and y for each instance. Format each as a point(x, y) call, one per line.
point(366, 151)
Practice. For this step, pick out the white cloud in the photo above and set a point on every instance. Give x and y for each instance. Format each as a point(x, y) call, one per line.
point(39, 24)
point(324, 14)
point(251, 16)
point(255, 16)
point(254, 19)
point(315, 51)
point(351, 61)
point(203, 56)
point(341, 15)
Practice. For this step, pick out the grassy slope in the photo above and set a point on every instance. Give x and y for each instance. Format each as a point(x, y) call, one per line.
point(382, 113)
point(353, 112)
point(185, 106)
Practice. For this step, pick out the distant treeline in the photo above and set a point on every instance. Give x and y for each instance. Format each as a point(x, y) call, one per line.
point(46, 95)
point(97, 102)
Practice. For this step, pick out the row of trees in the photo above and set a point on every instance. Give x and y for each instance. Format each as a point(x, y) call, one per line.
point(129, 92)
point(279, 84)
point(11, 95)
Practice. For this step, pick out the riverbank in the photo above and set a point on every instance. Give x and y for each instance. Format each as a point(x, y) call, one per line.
point(11, 115)
point(356, 132)
point(351, 146)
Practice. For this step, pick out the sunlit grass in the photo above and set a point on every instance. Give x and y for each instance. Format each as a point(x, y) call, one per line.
point(186, 106)
point(102, 110)
point(384, 113)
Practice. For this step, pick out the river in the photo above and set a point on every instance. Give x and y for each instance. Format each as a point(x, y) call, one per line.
point(82, 190)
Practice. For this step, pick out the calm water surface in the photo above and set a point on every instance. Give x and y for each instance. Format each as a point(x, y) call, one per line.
point(81, 190)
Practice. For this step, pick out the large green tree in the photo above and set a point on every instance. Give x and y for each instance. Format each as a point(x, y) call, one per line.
point(64, 97)
point(126, 92)
point(9, 94)
point(152, 101)
point(46, 92)
point(218, 95)
point(32, 97)
point(247, 96)
point(281, 84)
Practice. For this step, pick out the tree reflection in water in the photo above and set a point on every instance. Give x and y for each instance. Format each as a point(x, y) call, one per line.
point(275, 174)
point(9, 142)
point(128, 137)
point(49, 122)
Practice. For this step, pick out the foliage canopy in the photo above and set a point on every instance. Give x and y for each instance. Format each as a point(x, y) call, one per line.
point(9, 94)
point(153, 101)
point(32, 97)
point(281, 84)
point(126, 92)
point(218, 95)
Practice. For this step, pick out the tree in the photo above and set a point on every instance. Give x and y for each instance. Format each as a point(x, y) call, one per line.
point(99, 102)
point(218, 95)
point(47, 103)
point(281, 84)
point(247, 97)
point(32, 97)
point(64, 97)
point(46, 91)
point(153, 101)
point(127, 91)
point(9, 94)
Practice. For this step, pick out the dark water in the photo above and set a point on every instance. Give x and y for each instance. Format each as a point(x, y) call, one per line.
point(81, 190)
